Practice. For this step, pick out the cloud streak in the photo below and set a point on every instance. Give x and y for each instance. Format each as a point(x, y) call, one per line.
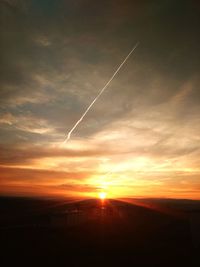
point(54, 58)
point(100, 93)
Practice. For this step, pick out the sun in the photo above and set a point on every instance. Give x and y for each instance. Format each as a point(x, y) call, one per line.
point(102, 195)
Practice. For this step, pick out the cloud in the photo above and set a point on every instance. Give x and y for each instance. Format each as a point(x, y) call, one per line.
point(11, 155)
point(28, 176)
point(26, 123)
point(81, 188)
point(56, 57)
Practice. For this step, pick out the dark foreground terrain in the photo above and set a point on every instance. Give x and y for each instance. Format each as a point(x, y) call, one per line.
point(96, 233)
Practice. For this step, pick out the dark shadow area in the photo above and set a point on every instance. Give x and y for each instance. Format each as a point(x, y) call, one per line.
point(94, 233)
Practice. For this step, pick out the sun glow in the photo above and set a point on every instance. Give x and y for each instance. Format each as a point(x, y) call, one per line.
point(102, 195)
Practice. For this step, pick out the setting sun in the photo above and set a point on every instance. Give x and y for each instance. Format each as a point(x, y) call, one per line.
point(102, 195)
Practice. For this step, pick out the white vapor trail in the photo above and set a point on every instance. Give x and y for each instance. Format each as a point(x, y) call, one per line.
point(99, 94)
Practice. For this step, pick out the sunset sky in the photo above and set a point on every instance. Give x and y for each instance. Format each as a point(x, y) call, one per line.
point(140, 139)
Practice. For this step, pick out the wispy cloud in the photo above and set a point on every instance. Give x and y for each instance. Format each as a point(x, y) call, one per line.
point(144, 131)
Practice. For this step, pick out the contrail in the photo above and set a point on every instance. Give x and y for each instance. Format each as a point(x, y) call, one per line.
point(99, 94)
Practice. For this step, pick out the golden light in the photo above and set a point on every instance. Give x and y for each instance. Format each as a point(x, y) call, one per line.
point(102, 195)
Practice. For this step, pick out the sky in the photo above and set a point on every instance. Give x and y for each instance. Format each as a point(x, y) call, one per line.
point(140, 139)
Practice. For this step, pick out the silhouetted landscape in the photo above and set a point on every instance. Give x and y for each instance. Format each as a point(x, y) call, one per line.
point(132, 232)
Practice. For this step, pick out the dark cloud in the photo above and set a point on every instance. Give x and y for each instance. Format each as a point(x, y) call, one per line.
point(13, 155)
point(83, 188)
point(29, 176)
